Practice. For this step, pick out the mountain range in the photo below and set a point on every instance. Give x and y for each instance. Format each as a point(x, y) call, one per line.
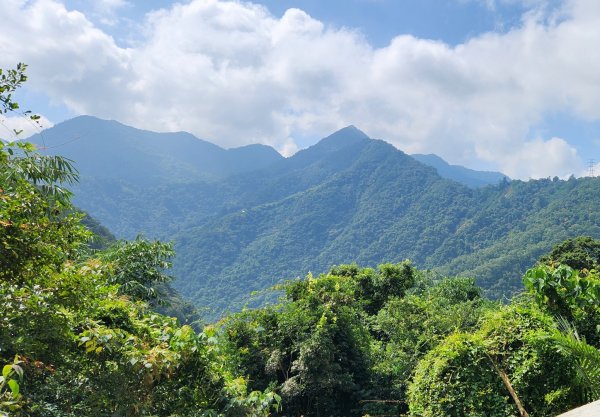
point(244, 219)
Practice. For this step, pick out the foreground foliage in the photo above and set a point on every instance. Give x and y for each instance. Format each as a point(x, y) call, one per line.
point(77, 337)
point(78, 322)
point(395, 341)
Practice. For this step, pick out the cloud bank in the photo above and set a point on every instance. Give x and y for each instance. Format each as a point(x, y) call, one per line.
point(234, 74)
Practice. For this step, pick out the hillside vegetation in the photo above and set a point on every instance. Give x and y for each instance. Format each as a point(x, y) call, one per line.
point(384, 206)
point(346, 199)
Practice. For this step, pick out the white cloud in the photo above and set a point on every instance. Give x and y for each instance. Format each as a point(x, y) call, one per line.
point(539, 158)
point(288, 148)
point(69, 59)
point(22, 124)
point(106, 10)
point(232, 73)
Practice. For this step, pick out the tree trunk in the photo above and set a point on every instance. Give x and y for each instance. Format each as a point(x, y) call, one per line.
point(509, 387)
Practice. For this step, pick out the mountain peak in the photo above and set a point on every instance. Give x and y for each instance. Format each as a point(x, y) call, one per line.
point(350, 131)
point(88, 120)
point(346, 136)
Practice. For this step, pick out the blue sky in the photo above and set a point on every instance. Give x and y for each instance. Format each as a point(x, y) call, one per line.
point(491, 84)
point(452, 21)
point(381, 20)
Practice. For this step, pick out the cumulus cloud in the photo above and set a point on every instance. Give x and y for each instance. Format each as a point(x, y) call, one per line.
point(22, 125)
point(540, 158)
point(232, 73)
point(69, 59)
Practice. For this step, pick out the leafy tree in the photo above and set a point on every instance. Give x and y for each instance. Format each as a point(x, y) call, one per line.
point(10, 81)
point(568, 294)
point(586, 358)
point(138, 266)
point(36, 227)
point(407, 328)
point(313, 349)
point(581, 253)
point(375, 289)
point(506, 368)
point(10, 388)
point(347, 342)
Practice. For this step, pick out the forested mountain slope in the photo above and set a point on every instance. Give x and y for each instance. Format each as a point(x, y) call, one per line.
point(514, 224)
point(346, 217)
point(346, 199)
point(385, 207)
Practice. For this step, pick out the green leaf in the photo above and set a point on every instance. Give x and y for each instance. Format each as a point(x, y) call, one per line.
point(14, 387)
point(6, 371)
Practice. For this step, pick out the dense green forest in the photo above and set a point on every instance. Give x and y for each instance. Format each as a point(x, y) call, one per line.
point(386, 211)
point(80, 335)
point(243, 227)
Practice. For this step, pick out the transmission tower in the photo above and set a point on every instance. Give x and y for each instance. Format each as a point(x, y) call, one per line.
point(591, 164)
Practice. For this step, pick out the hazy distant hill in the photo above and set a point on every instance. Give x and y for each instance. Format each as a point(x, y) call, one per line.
point(245, 225)
point(466, 176)
point(109, 149)
point(130, 177)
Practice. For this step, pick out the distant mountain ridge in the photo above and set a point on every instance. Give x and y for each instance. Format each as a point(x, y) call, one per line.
point(113, 150)
point(131, 178)
point(122, 152)
point(348, 198)
point(469, 177)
